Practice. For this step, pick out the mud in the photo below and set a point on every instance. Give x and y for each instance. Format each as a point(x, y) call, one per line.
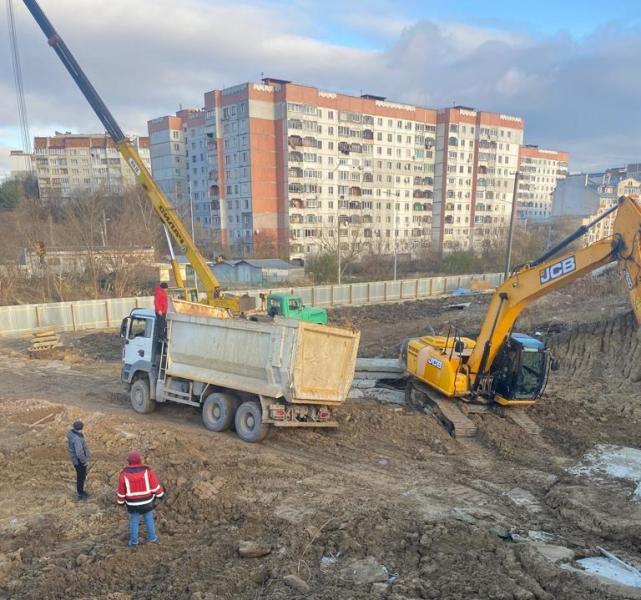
point(446, 518)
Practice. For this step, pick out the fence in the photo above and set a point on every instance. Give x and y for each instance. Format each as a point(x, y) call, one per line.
point(103, 314)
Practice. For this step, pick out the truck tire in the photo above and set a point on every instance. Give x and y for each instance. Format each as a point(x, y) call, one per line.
point(139, 397)
point(218, 411)
point(249, 423)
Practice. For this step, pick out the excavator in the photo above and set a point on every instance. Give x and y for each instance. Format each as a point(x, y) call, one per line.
point(501, 370)
point(215, 297)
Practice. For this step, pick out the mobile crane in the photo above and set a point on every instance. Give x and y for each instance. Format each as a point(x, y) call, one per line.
point(456, 375)
point(160, 203)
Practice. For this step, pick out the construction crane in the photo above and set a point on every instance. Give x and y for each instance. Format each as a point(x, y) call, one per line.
point(23, 118)
point(160, 203)
point(501, 368)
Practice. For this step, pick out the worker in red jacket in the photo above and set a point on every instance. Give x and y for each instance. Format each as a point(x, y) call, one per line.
point(138, 489)
point(161, 306)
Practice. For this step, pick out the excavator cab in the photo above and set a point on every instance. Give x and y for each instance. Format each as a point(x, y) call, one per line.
point(520, 370)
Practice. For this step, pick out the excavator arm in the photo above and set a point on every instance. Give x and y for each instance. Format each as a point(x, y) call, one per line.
point(161, 205)
point(551, 272)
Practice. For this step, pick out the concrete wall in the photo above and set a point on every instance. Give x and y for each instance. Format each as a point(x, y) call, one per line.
point(101, 314)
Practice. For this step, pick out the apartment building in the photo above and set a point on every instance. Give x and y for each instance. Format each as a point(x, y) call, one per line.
point(285, 169)
point(168, 155)
point(20, 163)
point(540, 172)
point(477, 157)
point(68, 163)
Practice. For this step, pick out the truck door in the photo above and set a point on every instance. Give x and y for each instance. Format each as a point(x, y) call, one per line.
point(139, 340)
point(294, 308)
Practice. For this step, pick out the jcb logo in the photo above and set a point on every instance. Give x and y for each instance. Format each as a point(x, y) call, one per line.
point(435, 362)
point(563, 267)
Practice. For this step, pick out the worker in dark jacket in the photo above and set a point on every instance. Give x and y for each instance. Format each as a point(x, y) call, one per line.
point(161, 306)
point(138, 489)
point(79, 455)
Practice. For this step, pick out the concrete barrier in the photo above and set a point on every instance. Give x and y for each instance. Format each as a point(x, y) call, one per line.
point(101, 314)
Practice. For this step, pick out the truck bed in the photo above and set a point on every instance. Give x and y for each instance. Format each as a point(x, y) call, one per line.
point(299, 361)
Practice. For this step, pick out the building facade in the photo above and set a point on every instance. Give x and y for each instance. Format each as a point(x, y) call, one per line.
point(477, 158)
point(20, 163)
point(540, 172)
point(283, 169)
point(66, 164)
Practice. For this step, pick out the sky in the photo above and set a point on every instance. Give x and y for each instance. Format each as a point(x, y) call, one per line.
point(570, 69)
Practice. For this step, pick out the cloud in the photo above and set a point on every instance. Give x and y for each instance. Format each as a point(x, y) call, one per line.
point(150, 56)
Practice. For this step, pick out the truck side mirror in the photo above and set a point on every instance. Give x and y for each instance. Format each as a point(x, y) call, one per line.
point(459, 346)
point(555, 364)
point(123, 327)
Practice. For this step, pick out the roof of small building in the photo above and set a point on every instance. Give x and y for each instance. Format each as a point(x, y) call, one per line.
point(263, 263)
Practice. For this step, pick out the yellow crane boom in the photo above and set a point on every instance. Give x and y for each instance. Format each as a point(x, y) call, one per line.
point(161, 205)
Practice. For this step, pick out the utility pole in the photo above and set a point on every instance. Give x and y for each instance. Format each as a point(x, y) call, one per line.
point(508, 256)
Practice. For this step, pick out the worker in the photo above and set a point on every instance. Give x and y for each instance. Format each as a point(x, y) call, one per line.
point(138, 489)
point(161, 305)
point(79, 455)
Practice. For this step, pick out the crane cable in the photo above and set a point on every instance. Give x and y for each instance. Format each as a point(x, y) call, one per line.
point(17, 78)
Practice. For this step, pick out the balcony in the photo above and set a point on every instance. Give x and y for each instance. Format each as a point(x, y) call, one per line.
point(214, 191)
point(368, 134)
point(295, 157)
point(294, 141)
point(295, 219)
point(354, 147)
point(452, 141)
point(310, 142)
point(295, 172)
point(343, 147)
point(296, 203)
point(418, 194)
point(355, 191)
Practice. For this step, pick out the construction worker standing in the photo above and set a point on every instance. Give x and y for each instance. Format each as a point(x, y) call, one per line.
point(79, 455)
point(138, 489)
point(161, 306)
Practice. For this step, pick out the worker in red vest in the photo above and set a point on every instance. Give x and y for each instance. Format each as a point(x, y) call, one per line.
point(138, 488)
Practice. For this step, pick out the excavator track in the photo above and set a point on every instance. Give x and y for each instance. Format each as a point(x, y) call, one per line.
point(523, 420)
point(444, 409)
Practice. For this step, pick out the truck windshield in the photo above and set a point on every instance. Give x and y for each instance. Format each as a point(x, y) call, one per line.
point(530, 377)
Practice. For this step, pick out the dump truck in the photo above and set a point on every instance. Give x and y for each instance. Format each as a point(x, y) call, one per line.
point(241, 374)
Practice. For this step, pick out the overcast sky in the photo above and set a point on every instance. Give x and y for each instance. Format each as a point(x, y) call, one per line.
point(570, 69)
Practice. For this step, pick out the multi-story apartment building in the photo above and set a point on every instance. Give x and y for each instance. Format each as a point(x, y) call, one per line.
point(168, 155)
point(477, 158)
point(20, 163)
point(282, 168)
point(540, 171)
point(71, 163)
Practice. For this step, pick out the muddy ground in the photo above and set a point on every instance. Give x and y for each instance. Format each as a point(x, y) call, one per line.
point(388, 496)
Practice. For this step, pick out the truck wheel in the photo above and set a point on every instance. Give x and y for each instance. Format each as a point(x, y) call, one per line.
point(139, 397)
point(218, 411)
point(249, 423)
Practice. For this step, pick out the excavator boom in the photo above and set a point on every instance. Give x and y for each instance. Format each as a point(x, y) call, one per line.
point(161, 205)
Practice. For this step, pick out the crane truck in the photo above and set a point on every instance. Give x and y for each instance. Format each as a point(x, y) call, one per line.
point(455, 375)
point(161, 205)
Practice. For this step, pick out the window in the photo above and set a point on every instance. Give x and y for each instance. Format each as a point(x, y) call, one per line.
point(140, 328)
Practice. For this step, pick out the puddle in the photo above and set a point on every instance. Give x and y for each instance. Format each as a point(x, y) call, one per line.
point(612, 568)
point(606, 460)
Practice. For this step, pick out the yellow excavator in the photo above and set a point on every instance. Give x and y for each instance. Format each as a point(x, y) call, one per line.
point(456, 375)
point(215, 297)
